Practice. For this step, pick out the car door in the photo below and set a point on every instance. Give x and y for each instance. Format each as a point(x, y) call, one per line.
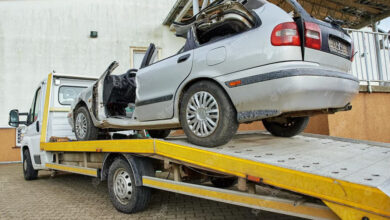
point(98, 88)
point(33, 129)
point(157, 85)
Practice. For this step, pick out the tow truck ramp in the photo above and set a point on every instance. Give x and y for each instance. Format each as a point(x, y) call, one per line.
point(317, 177)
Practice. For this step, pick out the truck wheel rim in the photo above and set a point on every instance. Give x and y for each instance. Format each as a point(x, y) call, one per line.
point(81, 125)
point(202, 114)
point(122, 186)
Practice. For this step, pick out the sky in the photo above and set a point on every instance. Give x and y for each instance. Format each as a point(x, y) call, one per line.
point(385, 24)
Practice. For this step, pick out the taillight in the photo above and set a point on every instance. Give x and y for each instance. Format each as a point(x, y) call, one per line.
point(285, 34)
point(312, 35)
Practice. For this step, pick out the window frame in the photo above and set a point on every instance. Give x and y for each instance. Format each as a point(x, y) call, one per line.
point(135, 49)
point(33, 107)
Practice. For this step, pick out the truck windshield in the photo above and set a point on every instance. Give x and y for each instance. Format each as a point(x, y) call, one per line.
point(67, 94)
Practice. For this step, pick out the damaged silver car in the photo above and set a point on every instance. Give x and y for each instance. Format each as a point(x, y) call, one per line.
point(242, 61)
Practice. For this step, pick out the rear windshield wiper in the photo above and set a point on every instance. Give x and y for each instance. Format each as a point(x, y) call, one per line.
point(334, 21)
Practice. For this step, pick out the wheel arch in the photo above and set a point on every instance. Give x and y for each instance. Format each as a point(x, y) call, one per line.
point(23, 148)
point(191, 82)
point(108, 159)
point(79, 104)
point(82, 103)
point(141, 166)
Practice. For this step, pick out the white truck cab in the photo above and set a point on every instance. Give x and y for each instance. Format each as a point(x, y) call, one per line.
point(58, 92)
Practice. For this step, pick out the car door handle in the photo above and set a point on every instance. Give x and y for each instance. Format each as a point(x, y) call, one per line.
point(183, 58)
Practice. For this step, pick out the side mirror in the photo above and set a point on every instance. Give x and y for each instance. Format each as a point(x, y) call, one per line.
point(14, 118)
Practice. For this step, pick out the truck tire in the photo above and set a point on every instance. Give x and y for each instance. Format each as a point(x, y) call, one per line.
point(291, 127)
point(159, 133)
point(223, 182)
point(28, 170)
point(124, 194)
point(207, 115)
point(83, 125)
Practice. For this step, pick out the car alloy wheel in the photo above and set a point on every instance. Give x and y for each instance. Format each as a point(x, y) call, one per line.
point(81, 125)
point(202, 114)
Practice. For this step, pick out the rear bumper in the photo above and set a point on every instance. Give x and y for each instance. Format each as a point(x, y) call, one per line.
point(289, 90)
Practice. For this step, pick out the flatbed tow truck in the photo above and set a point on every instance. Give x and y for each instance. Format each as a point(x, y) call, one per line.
point(309, 176)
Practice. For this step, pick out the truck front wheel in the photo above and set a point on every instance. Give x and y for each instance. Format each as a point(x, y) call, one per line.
point(28, 170)
point(124, 194)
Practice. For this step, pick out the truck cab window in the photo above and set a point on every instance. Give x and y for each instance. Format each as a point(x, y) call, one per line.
point(67, 94)
point(35, 107)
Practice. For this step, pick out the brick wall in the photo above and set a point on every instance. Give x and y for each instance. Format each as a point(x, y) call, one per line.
point(8, 151)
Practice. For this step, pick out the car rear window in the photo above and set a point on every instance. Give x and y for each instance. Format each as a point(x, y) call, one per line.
point(67, 94)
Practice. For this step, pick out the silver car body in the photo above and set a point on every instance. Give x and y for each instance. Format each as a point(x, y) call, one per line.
point(274, 80)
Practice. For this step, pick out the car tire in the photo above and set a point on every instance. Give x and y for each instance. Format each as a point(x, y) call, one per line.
point(213, 105)
point(159, 133)
point(124, 194)
point(83, 125)
point(223, 182)
point(291, 127)
point(28, 170)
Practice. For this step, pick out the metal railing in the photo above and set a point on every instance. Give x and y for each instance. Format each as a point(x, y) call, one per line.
point(371, 63)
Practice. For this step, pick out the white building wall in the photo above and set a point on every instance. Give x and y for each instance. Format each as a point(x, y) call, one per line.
point(39, 36)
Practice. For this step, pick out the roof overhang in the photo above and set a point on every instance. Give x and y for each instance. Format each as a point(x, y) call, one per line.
point(355, 13)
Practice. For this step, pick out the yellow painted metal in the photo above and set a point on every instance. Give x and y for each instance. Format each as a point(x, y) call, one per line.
point(46, 108)
point(270, 204)
point(355, 195)
point(345, 212)
point(359, 197)
point(72, 169)
point(124, 146)
point(64, 109)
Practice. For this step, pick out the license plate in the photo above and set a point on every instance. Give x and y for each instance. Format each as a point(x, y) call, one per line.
point(338, 47)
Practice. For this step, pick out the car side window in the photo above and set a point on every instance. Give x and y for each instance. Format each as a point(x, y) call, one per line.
point(35, 107)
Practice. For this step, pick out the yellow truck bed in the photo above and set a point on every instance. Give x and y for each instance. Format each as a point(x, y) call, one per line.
point(352, 178)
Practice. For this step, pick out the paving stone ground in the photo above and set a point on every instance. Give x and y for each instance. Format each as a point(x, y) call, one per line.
point(69, 196)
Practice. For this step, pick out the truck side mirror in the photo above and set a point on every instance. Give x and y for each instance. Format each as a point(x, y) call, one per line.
point(14, 118)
